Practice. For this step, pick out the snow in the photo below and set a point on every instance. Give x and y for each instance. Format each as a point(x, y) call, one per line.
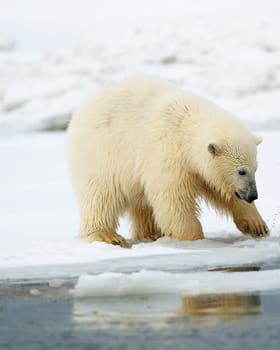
point(159, 282)
point(40, 220)
point(229, 53)
point(53, 55)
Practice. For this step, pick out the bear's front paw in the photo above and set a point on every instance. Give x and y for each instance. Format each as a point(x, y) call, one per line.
point(107, 237)
point(252, 225)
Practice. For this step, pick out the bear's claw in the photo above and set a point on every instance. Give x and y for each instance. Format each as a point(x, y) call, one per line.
point(259, 231)
point(107, 237)
point(253, 226)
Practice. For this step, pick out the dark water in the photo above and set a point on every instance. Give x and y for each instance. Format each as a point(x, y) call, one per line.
point(51, 319)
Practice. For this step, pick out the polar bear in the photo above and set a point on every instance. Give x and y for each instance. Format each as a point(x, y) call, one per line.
point(149, 149)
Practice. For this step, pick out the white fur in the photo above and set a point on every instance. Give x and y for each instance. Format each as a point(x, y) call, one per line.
point(142, 146)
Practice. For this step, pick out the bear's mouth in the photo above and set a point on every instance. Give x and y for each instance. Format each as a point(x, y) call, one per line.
point(237, 195)
point(248, 197)
point(241, 195)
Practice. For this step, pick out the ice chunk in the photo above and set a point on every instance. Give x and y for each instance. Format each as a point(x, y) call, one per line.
point(56, 283)
point(158, 282)
point(34, 292)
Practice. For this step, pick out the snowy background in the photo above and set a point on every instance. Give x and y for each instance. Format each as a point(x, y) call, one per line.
point(55, 54)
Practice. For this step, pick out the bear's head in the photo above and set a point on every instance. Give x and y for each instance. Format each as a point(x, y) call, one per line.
point(232, 165)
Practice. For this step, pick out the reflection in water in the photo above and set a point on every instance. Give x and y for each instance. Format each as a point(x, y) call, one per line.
point(164, 311)
point(237, 269)
point(125, 312)
point(230, 306)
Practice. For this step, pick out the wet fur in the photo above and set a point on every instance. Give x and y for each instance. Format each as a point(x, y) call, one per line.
point(141, 148)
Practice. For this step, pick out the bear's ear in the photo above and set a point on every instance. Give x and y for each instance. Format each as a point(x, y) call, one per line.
point(258, 139)
point(214, 149)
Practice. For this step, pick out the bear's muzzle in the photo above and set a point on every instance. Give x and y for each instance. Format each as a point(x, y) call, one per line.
point(252, 196)
point(248, 195)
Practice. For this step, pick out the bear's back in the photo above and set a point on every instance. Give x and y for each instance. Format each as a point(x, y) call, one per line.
point(133, 98)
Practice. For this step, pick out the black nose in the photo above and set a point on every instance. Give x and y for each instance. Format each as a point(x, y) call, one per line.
point(252, 196)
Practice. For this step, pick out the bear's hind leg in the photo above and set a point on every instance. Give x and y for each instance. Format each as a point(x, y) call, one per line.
point(99, 213)
point(143, 224)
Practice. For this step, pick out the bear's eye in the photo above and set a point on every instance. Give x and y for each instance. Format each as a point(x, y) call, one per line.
point(242, 172)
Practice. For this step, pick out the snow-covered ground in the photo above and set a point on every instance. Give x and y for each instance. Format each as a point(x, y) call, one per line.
point(54, 54)
point(39, 219)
